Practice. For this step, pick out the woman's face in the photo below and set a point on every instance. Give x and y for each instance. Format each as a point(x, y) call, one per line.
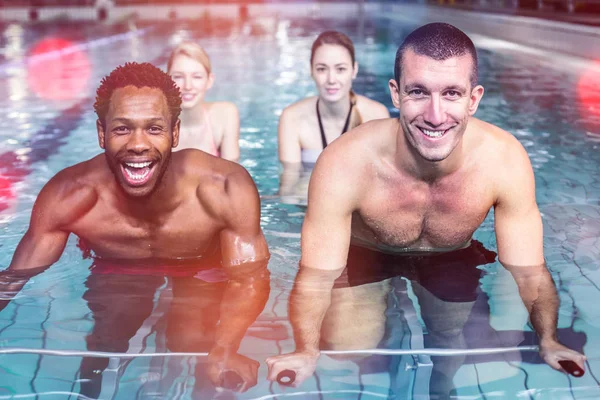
point(192, 79)
point(333, 72)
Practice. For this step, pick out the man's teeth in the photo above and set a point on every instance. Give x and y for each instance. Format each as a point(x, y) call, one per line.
point(138, 165)
point(433, 134)
point(137, 177)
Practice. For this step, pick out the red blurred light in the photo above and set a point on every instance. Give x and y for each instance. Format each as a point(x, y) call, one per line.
point(588, 91)
point(57, 69)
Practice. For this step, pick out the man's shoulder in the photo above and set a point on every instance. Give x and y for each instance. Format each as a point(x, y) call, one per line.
point(369, 138)
point(81, 176)
point(72, 192)
point(349, 157)
point(214, 179)
point(495, 140)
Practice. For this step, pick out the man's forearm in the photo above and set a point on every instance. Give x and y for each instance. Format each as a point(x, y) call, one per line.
point(243, 301)
point(309, 301)
point(12, 281)
point(538, 292)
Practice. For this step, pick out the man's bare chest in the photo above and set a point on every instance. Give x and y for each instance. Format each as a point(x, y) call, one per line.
point(421, 219)
point(184, 233)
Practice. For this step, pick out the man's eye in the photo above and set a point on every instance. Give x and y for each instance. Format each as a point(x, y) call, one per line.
point(416, 92)
point(452, 93)
point(155, 129)
point(121, 129)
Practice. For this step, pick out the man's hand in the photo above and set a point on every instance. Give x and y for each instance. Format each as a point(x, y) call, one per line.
point(552, 352)
point(303, 364)
point(220, 368)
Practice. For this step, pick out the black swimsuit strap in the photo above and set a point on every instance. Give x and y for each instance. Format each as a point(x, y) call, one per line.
point(323, 139)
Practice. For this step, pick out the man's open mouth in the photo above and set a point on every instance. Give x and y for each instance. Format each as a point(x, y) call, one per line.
point(434, 134)
point(137, 173)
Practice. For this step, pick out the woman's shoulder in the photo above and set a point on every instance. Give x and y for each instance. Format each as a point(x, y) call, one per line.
point(371, 109)
point(300, 109)
point(221, 108)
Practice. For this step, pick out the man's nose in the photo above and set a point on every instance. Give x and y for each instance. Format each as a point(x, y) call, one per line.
point(434, 113)
point(138, 142)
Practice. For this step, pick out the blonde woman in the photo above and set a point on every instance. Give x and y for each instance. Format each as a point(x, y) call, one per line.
point(213, 127)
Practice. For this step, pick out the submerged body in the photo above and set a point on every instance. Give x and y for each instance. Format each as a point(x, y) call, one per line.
point(140, 204)
point(422, 183)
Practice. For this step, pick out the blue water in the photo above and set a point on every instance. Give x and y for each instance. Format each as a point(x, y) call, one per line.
point(263, 67)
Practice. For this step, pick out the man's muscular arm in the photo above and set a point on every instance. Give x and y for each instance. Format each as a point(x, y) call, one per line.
point(61, 201)
point(519, 233)
point(245, 257)
point(325, 243)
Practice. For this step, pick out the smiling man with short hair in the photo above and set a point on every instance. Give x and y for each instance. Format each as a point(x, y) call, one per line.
point(140, 204)
point(421, 185)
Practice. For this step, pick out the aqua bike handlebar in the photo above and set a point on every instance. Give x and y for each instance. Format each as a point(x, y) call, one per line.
point(287, 377)
point(572, 368)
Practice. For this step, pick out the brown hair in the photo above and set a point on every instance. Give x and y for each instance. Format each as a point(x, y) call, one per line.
point(332, 37)
point(192, 50)
point(339, 39)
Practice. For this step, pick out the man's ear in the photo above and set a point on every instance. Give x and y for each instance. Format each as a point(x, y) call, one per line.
point(176, 133)
point(101, 133)
point(395, 92)
point(476, 95)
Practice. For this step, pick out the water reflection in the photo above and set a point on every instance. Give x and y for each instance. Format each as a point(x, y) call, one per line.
point(293, 183)
point(415, 302)
point(191, 308)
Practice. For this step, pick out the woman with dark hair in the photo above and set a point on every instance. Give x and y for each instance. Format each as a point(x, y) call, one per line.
point(309, 125)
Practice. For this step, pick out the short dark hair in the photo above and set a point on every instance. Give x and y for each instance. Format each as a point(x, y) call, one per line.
point(138, 75)
point(439, 41)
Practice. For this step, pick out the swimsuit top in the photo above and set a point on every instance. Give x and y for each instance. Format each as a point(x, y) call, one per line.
point(323, 139)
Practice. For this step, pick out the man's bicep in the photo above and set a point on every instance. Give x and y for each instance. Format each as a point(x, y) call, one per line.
point(242, 240)
point(327, 226)
point(518, 224)
point(38, 248)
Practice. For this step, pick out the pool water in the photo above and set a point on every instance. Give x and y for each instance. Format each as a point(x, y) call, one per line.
point(262, 67)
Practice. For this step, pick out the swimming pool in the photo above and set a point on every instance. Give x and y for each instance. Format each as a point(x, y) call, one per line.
point(538, 102)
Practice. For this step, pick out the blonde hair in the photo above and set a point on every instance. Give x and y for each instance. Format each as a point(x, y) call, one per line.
point(192, 50)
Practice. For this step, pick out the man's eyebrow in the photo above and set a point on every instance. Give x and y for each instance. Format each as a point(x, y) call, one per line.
point(410, 86)
point(129, 120)
point(457, 88)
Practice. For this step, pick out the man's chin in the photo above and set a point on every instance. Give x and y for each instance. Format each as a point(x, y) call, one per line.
point(137, 191)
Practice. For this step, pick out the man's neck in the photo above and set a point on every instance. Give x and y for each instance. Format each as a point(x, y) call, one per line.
point(411, 162)
point(153, 207)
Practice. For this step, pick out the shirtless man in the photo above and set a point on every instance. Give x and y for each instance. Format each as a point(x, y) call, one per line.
point(422, 184)
point(138, 202)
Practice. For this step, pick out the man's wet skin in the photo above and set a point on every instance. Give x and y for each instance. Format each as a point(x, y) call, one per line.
point(123, 297)
point(370, 306)
point(423, 183)
point(141, 204)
